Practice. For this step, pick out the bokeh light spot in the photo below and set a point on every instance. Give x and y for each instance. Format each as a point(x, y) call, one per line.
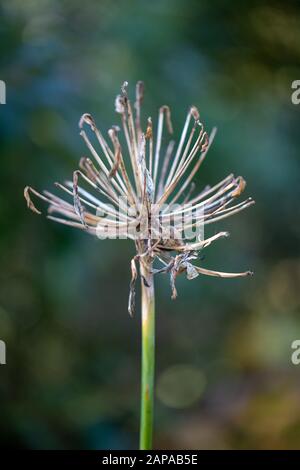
point(181, 385)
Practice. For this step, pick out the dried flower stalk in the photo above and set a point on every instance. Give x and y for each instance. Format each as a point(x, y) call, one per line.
point(149, 201)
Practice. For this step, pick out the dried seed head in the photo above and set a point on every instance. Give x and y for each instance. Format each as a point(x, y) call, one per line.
point(148, 199)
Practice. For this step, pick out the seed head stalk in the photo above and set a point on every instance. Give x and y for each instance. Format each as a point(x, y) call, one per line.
point(148, 357)
point(112, 196)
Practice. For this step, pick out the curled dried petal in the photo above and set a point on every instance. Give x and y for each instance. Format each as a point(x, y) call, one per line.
point(173, 275)
point(195, 113)
point(119, 104)
point(131, 299)
point(241, 187)
point(87, 119)
point(191, 271)
point(30, 204)
point(209, 272)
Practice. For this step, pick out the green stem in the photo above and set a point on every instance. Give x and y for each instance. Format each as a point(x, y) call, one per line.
point(148, 358)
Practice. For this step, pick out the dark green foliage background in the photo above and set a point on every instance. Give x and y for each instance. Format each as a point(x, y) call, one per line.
point(73, 353)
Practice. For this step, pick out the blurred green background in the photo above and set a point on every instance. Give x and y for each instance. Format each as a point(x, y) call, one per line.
point(224, 374)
